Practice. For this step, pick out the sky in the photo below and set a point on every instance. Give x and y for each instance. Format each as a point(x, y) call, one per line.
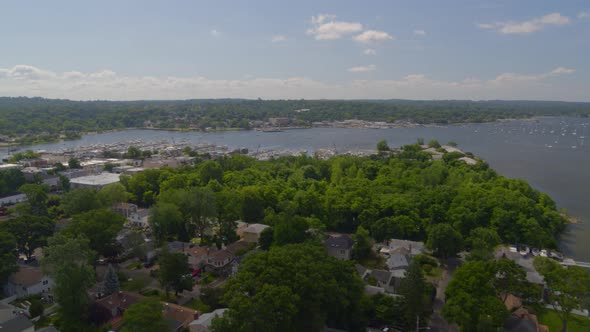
point(279, 49)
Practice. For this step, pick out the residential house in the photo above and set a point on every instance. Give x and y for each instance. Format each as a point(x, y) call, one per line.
point(135, 216)
point(203, 323)
point(339, 246)
point(178, 317)
point(406, 247)
point(111, 308)
point(197, 256)
point(523, 321)
point(252, 233)
point(384, 279)
point(219, 262)
point(29, 280)
point(240, 227)
point(398, 262)
point(17, 324)
point(238, 248)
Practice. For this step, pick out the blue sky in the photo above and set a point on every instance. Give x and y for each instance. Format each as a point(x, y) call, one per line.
point(415, 49)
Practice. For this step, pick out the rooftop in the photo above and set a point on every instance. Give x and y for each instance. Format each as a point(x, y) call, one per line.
point(256, 228)
point(121, 300)
point(341, 242)
point(205, 319)
point(96, 180)
point(27, 276)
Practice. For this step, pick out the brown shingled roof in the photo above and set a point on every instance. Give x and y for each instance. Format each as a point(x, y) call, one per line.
point(122, 300)
point(27, 276)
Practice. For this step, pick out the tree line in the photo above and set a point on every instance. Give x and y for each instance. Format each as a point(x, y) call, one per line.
point(36, 119)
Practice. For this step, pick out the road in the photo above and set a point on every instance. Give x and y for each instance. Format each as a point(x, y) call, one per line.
point(437, 322)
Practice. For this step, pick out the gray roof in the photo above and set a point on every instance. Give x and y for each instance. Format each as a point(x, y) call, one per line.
point(341, 242)
point(361, 270)
point(97, 180)
point(205, 319)
point(256, 228)
point(397, 261)
point(414, 246)
point(48, 329)
point(515, 324)
point(382, 276)
point(17, 324)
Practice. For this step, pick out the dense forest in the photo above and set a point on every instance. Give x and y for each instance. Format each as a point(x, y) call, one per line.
point(36, 119)
point(403, 196)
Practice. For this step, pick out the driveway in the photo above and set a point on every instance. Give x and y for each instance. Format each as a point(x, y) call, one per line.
point(437, 322)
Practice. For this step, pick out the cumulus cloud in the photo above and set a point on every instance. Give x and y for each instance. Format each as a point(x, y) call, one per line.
point(527, 27)
point(26, 72)
point(107, 84)
point(369, 51)
point(583, 15)
point(371, 36)
point(278, 38)
point(362, 69)
point(214, 32)
point(419, 32)
point(326, 27)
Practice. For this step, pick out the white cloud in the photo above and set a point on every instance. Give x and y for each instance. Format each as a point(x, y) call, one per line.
point(526, 27)
point(362, 69)
point(583, 15)
point(214, 32)
point(562, 71)
point(278, 38)
point(326, 27)
point(107, 84)
point(26, 72)
point(512, 77)
point(370, 36)
point(369, 51)
point(419, 32)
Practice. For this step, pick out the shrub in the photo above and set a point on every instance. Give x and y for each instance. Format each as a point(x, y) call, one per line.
point(36, 308)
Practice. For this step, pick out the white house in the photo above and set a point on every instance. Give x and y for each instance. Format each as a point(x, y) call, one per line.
point(28, 280)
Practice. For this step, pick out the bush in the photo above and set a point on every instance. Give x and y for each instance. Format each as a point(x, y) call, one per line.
point(427, 268)
point(423, 260)
point(36, 308)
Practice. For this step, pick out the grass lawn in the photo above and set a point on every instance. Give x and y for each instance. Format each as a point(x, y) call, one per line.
point(575, 323)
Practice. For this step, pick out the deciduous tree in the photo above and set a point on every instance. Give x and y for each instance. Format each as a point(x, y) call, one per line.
point(146, 316)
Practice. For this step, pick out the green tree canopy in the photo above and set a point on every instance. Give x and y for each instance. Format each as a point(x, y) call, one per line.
point(146, 316)
point(568, 288)
point(66, 260)
point(174, 272)
point(31, 232)
point(305, 287)
point(100, 227)
point(80, 200)
point(444, 240)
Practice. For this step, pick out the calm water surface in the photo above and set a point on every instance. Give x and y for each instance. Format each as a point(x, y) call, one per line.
point(552, 154)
